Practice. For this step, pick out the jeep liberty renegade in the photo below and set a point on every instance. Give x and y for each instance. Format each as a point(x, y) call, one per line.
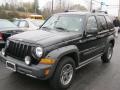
point(65, 42)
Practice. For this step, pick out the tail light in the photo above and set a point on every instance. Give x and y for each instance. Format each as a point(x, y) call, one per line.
point(1, 36)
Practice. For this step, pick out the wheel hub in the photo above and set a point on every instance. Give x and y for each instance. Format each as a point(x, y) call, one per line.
point(66, 74)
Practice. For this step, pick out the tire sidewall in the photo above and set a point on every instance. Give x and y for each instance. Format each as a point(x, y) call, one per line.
point(72, 63)
point(64, 61)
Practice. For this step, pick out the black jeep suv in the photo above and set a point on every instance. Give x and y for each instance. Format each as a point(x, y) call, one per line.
point(65, 43)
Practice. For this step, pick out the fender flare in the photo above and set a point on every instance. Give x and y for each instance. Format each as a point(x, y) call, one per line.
point(57, 54)
point(110, 38)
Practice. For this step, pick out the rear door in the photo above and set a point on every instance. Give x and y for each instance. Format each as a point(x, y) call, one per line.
point(103, 31)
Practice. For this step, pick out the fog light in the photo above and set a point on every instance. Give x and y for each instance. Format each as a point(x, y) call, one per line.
point(28, 60)
point(3, 52)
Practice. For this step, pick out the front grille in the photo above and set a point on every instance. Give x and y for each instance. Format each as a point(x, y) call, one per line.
point(18, 50)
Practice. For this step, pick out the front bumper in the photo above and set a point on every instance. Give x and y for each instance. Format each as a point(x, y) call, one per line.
point(36, 71)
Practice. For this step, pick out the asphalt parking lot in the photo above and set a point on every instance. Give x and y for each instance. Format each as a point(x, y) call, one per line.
point(94, 76)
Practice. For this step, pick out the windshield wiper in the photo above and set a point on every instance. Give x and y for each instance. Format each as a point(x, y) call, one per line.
point(45, 27)
point(61, 28)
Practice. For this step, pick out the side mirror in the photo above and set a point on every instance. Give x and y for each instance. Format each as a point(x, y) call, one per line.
point(92, 31)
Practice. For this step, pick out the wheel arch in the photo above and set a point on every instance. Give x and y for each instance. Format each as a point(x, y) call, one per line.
point(70, 51)
point(67, 51)
point(112, 42)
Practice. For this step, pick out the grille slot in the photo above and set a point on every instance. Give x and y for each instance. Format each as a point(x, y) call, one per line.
point(18, 50)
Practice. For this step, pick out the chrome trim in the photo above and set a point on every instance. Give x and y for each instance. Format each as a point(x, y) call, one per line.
point(30, 75)
point(88, 61)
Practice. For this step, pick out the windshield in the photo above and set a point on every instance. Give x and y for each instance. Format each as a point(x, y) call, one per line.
point(65, 22)
point(6, 24)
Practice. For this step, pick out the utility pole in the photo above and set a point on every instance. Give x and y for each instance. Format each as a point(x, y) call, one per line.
point(101, 5)
point(91, 5)
point(52, 5)
point(36, 5)
point(60, 5)
point(119, 10)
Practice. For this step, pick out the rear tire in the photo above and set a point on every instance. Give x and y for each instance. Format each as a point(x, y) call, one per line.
point(108, 54)
point(64, 74)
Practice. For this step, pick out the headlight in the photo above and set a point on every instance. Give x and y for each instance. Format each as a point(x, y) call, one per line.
point(38, 52)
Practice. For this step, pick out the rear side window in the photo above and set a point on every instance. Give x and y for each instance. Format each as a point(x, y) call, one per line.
point(102, 22)
point(109, 22)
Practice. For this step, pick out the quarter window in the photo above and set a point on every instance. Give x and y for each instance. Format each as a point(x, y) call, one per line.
point(102, 22)
point(109, 22)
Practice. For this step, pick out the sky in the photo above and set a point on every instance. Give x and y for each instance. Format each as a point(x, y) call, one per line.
point(113, 10)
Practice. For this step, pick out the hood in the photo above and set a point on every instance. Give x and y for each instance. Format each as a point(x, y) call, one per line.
point(45, 38)
point(11, 30)
point(7, 32)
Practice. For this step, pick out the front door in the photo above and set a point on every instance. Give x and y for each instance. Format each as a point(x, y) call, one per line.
point(89, 46)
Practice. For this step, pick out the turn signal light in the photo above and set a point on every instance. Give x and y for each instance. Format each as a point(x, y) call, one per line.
point(47, 61)
point(46, 71)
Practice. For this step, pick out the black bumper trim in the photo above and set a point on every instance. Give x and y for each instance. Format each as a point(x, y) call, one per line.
point(32, 70)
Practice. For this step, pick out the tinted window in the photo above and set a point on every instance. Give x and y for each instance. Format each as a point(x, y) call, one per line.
point(23, 24)
point(91, 24)
point(102, 22)
point(109, 22)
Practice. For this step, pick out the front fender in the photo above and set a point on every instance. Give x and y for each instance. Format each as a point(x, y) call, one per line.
point(61, 52)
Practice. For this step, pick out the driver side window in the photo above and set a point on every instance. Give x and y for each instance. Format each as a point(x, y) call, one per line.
point(92, 24)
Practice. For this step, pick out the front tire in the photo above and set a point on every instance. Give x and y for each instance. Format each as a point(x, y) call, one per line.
point(64, 74)
point(108, 54)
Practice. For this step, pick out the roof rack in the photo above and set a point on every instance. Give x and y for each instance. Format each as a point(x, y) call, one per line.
point(98, 11)
point(71, 11)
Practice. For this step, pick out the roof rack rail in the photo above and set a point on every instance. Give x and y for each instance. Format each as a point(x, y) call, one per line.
point(98, 11)
point(71, 11)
